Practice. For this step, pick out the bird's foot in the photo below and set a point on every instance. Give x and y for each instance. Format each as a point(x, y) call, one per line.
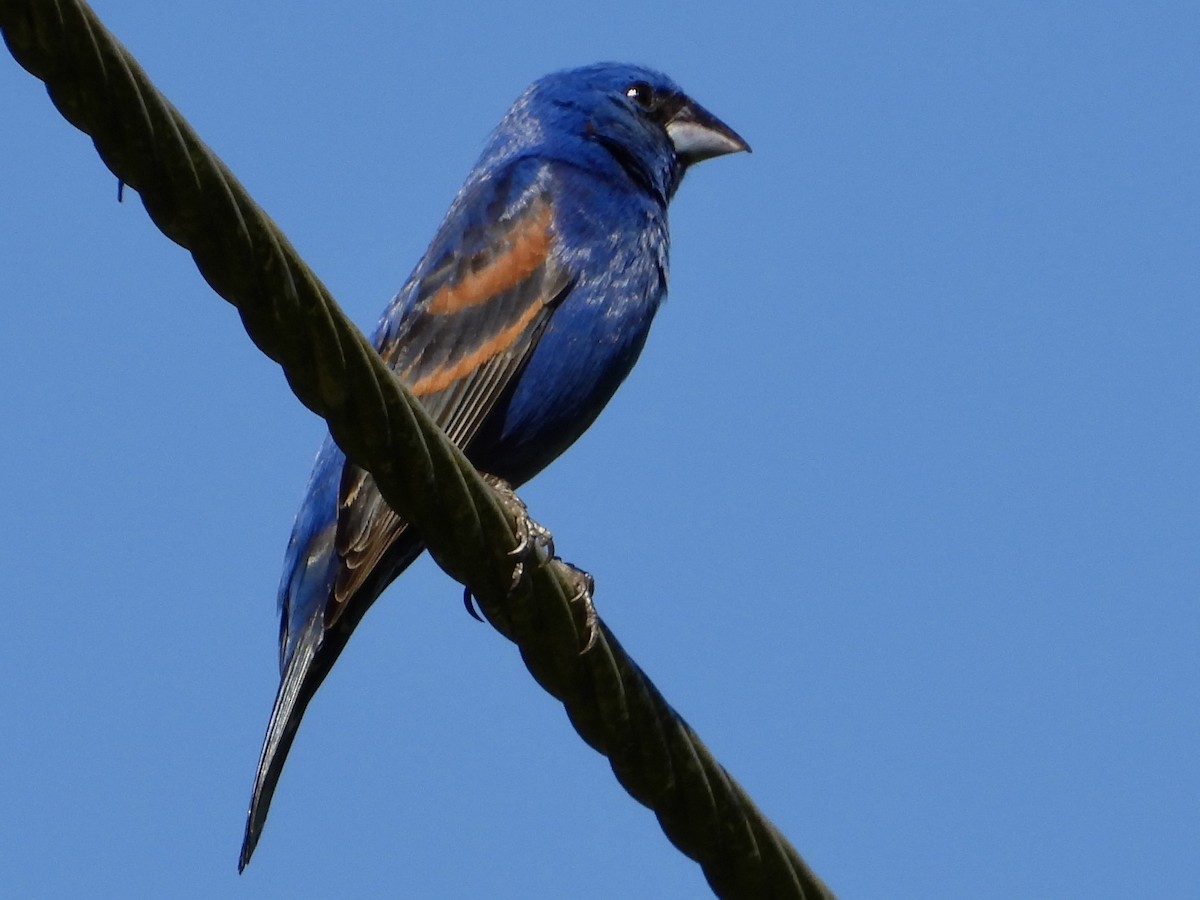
point(585, 587)
point(536, 541)
point(533, 540)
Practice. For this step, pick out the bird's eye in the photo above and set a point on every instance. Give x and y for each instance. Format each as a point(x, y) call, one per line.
point(641, 94)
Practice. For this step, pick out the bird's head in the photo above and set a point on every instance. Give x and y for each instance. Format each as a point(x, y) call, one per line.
point(639, 118)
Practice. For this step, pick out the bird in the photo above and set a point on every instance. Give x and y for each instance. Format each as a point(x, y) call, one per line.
point(526, 312)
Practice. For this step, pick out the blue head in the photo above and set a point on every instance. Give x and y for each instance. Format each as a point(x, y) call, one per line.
point(621, 117)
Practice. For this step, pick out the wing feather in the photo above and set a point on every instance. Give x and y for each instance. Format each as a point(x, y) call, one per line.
point(472, 323)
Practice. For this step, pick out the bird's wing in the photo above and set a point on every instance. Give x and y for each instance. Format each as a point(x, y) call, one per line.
point(458, 346)
point(457, 334)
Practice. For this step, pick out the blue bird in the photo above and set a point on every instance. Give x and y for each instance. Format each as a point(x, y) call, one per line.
point(529, 308)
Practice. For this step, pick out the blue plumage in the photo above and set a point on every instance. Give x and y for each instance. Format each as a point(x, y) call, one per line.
point(526, 312)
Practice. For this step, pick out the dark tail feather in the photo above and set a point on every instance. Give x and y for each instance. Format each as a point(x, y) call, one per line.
point(312, 658)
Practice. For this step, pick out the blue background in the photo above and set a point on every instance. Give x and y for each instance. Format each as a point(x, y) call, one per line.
point(900, 508)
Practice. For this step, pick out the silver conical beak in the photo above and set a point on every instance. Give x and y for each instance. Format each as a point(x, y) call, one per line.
point(699, 135)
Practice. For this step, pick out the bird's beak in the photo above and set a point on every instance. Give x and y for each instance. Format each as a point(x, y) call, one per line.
point(699, 135)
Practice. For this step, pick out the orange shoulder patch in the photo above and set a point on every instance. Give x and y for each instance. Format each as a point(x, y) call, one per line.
point(528, 245)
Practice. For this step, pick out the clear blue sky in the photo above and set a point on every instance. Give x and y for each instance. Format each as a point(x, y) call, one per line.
point(901, 508)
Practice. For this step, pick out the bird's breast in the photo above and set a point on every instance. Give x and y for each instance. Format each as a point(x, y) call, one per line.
point(588, 348)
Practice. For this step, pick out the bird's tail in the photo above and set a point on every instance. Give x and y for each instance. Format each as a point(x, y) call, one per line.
point(299, 682)
point(308, 655)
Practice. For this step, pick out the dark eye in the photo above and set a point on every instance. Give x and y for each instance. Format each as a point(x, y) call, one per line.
point(641, 94)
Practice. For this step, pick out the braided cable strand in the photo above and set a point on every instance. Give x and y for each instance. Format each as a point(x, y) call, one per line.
point(196, 202)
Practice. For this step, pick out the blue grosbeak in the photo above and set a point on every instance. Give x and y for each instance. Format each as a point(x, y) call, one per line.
point(527, 311)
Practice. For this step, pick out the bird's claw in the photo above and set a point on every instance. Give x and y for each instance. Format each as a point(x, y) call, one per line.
point(469, 603)
point(585, 587)
point(531, 537)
